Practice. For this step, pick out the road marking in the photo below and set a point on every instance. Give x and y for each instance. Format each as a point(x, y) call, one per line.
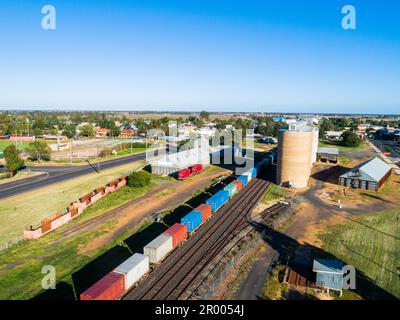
point(18, 186)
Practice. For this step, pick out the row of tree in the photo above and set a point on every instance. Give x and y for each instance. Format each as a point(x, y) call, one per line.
point(36, 150)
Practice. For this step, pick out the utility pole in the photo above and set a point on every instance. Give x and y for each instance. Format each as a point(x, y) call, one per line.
point(70, 150)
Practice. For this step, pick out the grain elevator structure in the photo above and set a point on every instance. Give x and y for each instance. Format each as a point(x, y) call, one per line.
point(297, 152)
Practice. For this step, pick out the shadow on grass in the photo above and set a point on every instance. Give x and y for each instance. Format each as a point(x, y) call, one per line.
point(138, 240)
point(375, 197)
point(63, 291)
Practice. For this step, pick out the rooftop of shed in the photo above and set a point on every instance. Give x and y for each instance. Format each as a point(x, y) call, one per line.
point(374, 168)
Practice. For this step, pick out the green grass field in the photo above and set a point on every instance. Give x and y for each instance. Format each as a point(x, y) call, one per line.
point(334, 144)
point(276, 192)
point(20, 266)
point(28, 258)
point(375, 251)
point(23, 279)
point(20, 145)
point(29, 208)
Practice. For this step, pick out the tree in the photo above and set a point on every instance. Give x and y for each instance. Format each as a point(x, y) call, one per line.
point(87, 130)
point(138, 179)
point(13, 161)
point(114, 130)
point(38, 150)
point(350, 139)
point(204, 115)
point(69, 131)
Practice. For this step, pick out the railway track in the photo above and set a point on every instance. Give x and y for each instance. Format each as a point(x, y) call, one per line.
point(174, 275)
point(265, 216)
point(72, 229)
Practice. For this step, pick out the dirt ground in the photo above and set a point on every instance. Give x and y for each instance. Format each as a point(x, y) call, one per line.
point(134, 214)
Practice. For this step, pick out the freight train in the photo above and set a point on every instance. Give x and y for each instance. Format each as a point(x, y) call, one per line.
point(116, 283)
point(188, 172)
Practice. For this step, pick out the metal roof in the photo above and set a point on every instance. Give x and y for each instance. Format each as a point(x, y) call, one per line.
point(328, 266)
point(374, 169)
point(333, 151)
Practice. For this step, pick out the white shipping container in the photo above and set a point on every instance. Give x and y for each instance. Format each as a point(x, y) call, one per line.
point(157, 249)
point(133, 269)
point(248, 174)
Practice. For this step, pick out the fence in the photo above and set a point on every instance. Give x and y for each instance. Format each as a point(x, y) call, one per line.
point(11, 243)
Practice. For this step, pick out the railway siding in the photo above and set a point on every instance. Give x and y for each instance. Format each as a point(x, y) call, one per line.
point(176, 273)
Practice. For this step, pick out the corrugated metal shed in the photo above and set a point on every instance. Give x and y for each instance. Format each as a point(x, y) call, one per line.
point(329, 273)
point(371, 170)
point(331, 151)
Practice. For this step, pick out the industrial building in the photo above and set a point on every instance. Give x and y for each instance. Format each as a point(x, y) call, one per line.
point(202, 153)
point(174, 162)
point(297, 152)
point(328, 154)
point(369, 175)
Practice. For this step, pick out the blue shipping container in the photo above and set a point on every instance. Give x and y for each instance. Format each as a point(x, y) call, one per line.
point(192, 220)
point(243, 179)
point(231, 188)
point(224, 195)
point(218, 199)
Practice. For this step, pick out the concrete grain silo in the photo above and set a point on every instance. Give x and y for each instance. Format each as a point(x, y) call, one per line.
point(314, 148)
point(297, 148)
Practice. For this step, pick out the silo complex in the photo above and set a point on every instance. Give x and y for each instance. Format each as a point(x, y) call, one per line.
point(297, 148)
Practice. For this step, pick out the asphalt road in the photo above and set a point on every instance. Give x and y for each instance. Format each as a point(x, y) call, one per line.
point(393, 145)
point(55, 174)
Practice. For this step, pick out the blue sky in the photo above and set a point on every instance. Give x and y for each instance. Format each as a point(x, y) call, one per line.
point(237, 55)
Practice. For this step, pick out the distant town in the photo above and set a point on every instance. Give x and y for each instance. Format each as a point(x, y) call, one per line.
point(286, 201)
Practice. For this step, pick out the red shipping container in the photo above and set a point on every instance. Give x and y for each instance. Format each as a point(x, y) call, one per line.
point(86, 198)
point(197, 168)
point(110, 287)
point(183, 174)
point(46, 227)
point(113, 183)
point(48, 220)
point(178, 232)
point(100, 190)
point(239, 184)
point(205, 210)
point(73, 211)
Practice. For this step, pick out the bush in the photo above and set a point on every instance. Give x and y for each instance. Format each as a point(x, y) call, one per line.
point(38, 150)
point(138, 179)
point(350, 139)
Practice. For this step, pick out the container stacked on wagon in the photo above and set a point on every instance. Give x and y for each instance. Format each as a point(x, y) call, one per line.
point(124, 277)
point(73, 210)
point(191, 171)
